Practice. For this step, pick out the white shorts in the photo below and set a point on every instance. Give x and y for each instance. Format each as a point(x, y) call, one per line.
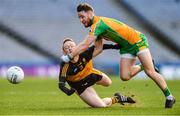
point(130, 56)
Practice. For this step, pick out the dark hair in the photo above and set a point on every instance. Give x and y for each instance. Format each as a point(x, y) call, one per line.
point(84, 7)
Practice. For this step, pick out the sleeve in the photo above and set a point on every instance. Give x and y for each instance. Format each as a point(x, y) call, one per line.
point(111, 46)
point(62, 81)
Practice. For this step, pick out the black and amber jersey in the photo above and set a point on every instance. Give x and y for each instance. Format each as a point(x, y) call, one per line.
point(75, 71)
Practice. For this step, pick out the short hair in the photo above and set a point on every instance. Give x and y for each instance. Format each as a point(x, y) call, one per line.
point(84, 7)
point(66, 40)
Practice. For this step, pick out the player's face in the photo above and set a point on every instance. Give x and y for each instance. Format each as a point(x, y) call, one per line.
point(85, 18)
point(68, 47)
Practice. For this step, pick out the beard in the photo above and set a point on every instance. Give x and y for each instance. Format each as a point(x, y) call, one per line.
point(90, 22)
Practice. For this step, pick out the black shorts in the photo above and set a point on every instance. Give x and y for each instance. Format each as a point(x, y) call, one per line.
point(88, 81)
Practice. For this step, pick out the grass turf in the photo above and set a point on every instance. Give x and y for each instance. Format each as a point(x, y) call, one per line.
point(41, 96)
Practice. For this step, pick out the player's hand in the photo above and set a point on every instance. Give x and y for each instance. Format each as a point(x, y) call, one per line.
point(70, 92)
point(66, 58)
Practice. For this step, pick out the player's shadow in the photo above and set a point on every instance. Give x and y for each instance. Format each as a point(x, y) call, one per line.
point(64, 109)
point(60, 110)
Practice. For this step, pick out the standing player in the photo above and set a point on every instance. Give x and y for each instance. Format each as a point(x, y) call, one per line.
point(80, 75)
point(134, 44)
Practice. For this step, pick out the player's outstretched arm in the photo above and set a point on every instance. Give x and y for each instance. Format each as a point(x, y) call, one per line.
point(84, 45)
point(98, 47)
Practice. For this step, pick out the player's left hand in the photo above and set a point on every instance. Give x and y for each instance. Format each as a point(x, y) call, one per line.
point(65, 58)
point(70, 92)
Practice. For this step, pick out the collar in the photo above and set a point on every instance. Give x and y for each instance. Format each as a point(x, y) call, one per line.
point(94, 19)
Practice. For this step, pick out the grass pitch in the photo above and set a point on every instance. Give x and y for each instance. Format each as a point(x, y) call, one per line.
point(41, 96)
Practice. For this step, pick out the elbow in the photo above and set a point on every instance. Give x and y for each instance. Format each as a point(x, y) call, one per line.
point(85, 47)
point(99, 49)
point(68, 94)
point(61, 86)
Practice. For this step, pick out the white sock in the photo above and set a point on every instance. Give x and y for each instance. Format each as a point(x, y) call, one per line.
point(170, 97)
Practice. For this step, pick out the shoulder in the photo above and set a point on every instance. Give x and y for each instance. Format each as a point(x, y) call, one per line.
point(64, 67)
point(62, 63)
point(96, 21)
point(99, 23)
point(88, 53)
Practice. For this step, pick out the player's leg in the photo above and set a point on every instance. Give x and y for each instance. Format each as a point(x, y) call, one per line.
point(90, 97)
point(105, 81)
point(125, 66)
point(128, 68)
point(118, 98)
point(146, 60)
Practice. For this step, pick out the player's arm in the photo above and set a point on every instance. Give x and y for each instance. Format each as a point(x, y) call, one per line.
point(94, 51)
point(84, 45)
point(62, 80)
point(105, 47)
point(62, 87)
point(99, 47)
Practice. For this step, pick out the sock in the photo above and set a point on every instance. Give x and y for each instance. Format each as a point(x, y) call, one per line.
point(167, 92)
point(114, 100)
point(141, 66)
point(170, 97)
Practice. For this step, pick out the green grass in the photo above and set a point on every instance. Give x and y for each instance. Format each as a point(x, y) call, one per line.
point(40, 96)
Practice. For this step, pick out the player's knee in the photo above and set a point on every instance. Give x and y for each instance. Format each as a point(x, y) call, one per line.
point(150, 73)
point(125, 77)
point(108, 83)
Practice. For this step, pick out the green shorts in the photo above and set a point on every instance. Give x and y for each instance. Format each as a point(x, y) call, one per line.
point(135, 48)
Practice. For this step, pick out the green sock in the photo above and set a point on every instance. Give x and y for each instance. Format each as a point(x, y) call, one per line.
point(166, 92)
point(142, 68)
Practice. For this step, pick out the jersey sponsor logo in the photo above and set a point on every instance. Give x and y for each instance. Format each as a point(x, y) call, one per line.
point(75, 69)
point(84, 60)
point(84, 84)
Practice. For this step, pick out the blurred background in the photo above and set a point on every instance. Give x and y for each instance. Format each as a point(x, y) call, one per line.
point(32, 31)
